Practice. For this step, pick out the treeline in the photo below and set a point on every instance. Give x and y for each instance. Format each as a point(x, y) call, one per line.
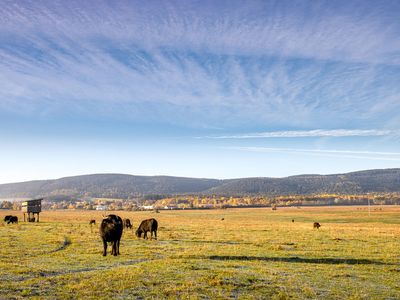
point(214, 201)
point(210, 201)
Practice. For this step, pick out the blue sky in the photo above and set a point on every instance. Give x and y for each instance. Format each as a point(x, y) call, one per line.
point(219, 89)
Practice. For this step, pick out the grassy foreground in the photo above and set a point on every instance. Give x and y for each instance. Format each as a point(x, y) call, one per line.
point(251, 254)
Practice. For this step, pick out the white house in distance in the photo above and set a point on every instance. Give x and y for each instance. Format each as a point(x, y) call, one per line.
point(170, 207)
point(101, 207)
point(147, 207)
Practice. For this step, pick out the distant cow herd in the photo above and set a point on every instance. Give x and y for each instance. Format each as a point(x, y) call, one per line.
point(112, 226)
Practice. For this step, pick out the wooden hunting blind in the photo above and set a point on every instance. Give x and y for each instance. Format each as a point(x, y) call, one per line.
point(32, 207)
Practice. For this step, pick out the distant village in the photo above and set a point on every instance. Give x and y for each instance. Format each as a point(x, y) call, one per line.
point(207, 202)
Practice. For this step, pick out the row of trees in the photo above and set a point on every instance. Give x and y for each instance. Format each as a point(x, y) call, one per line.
point(294, 200)
point(196, 201)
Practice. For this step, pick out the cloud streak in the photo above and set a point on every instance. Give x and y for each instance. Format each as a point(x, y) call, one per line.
point(368, 155)
point(309, 133)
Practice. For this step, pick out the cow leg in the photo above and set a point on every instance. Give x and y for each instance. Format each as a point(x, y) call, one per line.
point(115, 248)
point(155, 234)
point(145, 235)
point(118, 247)
point(105, 248)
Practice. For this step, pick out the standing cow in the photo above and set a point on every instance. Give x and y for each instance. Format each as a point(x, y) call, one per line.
point(127, 223)
point(12, 219)
point(147, 225)
point(6, 218)
point(111, 228)
point(316, 225)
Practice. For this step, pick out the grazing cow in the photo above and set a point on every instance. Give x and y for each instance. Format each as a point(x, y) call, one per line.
point(111, 228)
point(292, 220)
point(92, 222)
point(6, 218)
point(127, 223)
point(147, 225)
point(317, 225)
point(12, 219)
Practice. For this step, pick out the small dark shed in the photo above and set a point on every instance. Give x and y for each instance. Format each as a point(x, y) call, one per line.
point(32, 207)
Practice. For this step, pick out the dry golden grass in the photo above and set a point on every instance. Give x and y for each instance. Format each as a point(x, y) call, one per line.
point(251, 254)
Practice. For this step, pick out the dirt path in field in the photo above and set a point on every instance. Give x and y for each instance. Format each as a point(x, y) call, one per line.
point(98, 268)
point(50, 274)
point(66, 243)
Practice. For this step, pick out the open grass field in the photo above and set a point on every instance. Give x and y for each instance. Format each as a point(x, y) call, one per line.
point(251, 254)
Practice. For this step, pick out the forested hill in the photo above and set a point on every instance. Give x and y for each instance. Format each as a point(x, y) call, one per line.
point(387, 180)
point(125, 186)
point(107, 186)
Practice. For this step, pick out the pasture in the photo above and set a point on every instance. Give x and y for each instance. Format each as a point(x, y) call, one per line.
point(251, 254)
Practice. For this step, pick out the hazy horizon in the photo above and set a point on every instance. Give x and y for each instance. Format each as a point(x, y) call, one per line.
point(227, 89)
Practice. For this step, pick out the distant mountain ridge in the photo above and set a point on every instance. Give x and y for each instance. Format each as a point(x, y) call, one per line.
point(126, 186)
point(386, 180)
point(107, 186)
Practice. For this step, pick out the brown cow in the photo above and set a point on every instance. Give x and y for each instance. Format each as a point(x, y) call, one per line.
point(317, 225)
point(111, 228)
point(127, 223)
point(147, 225)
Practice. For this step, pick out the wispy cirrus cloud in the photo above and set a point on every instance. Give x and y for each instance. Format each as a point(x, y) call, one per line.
point(239, 64)
point(324, 30)
point(358, 154)
point(310, 133)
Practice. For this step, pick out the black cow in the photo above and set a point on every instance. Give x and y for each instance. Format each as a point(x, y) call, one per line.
point(6, 218)
point(92, 222)
point(317, 225)
point(12, 219)
point(127, 223)
point(111, 228)
point(147, 225)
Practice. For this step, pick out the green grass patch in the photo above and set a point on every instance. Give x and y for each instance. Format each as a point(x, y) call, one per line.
point(251, 254)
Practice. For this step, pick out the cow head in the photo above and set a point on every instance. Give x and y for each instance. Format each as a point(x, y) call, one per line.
point(139, 233)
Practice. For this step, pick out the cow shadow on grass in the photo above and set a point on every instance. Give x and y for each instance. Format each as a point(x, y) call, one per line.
point(210, 242)
point(333, 261)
